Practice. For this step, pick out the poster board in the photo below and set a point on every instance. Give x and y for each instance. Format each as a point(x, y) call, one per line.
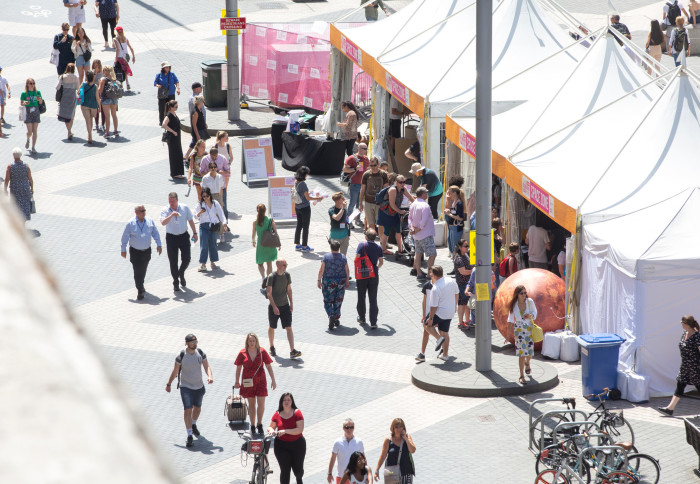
point(279, 198)
point(257, 162)
point(472, 249)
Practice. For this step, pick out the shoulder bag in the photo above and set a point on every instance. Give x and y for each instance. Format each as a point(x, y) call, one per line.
point(213, 227)
point(392, 474)
point(164, 91)
point(87, 54)
point(537, 333)
point(270, 238)
point(346, 177)
point(42, 106)
point(364, 269)
point(54, 57)
point(59, 92)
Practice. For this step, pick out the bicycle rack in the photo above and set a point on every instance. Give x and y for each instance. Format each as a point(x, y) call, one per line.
point(539, 400)
point(597, 448)
point(571, 411)
point(564, 425)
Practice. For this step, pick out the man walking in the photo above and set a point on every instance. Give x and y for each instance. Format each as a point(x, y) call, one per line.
point(188, 371)
point(175, 217)
point(343, 449)
point(538, 244)
point(372, 183)
point(369, 285)
point(422, 227)
point(356, 165)
point(279, 293)
point(138, 233)
point(442, 300)
point(196, 91)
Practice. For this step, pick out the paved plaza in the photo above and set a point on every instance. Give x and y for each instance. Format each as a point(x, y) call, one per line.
point(86, 193)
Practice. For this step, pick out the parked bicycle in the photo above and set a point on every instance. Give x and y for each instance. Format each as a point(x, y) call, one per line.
point(258, 448)
point(578, 472)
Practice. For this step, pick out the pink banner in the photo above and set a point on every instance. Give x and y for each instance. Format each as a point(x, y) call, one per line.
point(398, 90)
point(467, 142)
point(351, 50)
point(538, 196)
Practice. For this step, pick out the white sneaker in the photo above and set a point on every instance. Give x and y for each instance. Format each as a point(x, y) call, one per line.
point(439, 343)
point(443, 357)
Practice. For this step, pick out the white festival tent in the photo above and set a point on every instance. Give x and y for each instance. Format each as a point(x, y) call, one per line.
point(641, 273)
point(427, 50)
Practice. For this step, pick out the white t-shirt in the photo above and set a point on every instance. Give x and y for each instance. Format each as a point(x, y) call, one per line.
point(537, 239)
point(680, 6)
point(395, 104)
point(122, 48)
point(442, 296)
point(3, 85)
point(561, 258)
point(223, 151)
point(343, 449)
point(215, 184)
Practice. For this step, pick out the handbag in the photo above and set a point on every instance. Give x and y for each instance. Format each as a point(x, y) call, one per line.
point(392, 474)
point(32, 205)
point(166, 136)
point(270, 238)
point(87, 55)
point(42, 107)
point(127, 57)
point(212, 227)
point(537, 333)
point(164, 91)
point(471, 304)
point(54, 57)
point(204, 134)
point(59, 93)
point(364, 269)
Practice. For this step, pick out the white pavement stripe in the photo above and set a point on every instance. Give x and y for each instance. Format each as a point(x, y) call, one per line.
point(371, 421)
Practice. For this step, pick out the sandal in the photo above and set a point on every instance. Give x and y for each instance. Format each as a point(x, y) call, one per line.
point(522, 380)
point(202, 268)
point(214, 266)
point(528, 370)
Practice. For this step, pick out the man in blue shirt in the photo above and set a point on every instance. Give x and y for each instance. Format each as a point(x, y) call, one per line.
point(370, 285)
point(138, 233)
point(175, 217)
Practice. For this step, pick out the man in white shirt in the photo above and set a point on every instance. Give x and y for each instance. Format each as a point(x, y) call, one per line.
point(343, 449)
point(442, 300)
point(175, 218)
point(678, 9)
point(538, 244)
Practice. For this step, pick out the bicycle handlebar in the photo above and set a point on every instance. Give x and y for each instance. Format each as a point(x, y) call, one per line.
point(604, 393)
point(247, 437)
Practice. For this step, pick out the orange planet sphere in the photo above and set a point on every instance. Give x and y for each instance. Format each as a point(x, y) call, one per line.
point(544, 288)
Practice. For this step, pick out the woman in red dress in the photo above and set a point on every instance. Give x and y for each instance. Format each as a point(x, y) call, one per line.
point(250, 361)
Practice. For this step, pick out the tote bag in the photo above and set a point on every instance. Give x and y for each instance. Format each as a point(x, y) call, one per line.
point(364, 269)
point(270, 238)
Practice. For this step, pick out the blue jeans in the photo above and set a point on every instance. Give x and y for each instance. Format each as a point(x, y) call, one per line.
point(676, 59)
point(191, 398)
point(225, 207)
point(354, 197)
point(207, 243)
point(454, 234)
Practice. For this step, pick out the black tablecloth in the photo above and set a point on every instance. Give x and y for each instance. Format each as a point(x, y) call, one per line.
point(323, 157)
point(276, 134)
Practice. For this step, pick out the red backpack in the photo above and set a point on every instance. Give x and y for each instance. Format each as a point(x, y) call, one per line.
point(503, 266)
point(364, 269)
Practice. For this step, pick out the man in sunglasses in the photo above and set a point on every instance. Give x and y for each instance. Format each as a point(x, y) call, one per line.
point(343, 449)
point(139, 232)
point(372, 183)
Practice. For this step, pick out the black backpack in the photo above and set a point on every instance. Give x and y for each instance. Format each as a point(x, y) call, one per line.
point(382, 201)
point(679, 41)
point(274, 279)
point(113, 89)
point(182, 355)
point(673, 11)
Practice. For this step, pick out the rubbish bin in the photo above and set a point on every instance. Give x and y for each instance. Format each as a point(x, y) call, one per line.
point(214, 96)
point(599, 356)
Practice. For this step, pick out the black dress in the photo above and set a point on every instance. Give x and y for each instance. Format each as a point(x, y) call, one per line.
point(689, 372)
point(175, 147)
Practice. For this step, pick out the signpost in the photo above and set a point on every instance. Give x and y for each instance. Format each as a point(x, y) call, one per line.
point(280, 198)
point(231, 24)
point(257, 162)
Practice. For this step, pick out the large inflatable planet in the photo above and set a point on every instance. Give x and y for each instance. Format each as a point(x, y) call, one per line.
point(544, 288)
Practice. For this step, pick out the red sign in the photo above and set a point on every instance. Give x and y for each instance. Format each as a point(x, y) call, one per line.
point(232, 23)
point(538, 196)
point(396, 89)
point(467, 143)
point(351, 50)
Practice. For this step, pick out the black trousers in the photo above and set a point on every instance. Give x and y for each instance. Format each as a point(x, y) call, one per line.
point(112, 22)
point(370, 286)
point(139, 260)
point(178, 243)
point(349, 146)
point(163, 109)
point(302, 230)
point(290, 457)
point(434, 201)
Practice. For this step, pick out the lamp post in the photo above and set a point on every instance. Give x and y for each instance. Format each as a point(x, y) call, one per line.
point(233, 93)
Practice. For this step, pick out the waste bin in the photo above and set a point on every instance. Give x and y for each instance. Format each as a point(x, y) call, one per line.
point(214, 96)
point(599, 356)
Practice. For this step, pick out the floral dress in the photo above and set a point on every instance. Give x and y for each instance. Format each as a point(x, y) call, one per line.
point(690, 360)
point(20, 189)
point(524, 346)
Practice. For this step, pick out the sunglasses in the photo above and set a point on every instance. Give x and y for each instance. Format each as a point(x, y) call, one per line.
point(30, 84)
point(141, 210)
point(401, 182)
point(212, 166)
point(348, 427)
point(523, 294)
point(205, 195)
point(373, 164)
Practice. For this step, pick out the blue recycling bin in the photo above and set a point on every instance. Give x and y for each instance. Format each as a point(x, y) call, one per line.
point(599, 356)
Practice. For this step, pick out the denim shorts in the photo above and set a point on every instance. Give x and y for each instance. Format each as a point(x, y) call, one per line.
point(192, 398)
point(81, 62)
point(107, 102)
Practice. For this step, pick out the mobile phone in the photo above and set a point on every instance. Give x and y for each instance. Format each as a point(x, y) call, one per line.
point(192, 239)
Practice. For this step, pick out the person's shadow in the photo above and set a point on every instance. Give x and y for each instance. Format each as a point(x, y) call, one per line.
point(202, 445)
point(187, 295)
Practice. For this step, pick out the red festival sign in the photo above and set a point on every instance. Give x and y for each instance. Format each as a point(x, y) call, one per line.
point(538, 196)
point(351, 50)
point(467, 142)
point(398, 90)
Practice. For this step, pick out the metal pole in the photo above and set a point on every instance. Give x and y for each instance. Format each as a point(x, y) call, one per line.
point(483, 184)
point(233, 94)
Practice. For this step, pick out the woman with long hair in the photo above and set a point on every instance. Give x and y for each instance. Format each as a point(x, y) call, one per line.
point(352, 117)
point(290, 446)
point(30, 100)
point(463, 271)
point(193, 173)
point(689, 373)
point(302, 207)
point(655, 40)
point(88, 104)
point(225, 150)
point(521, 314)
point(82, 51)
point(357, 472)
point(68, 84)
point(250, 378)
point(397, 450)
point(121, 56)
point(108, 106)
point(454, 213)
point(263, 255)
point(209, 214)
point(171, 124)
point(97, 69)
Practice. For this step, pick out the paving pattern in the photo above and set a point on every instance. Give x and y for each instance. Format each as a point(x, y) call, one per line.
point(84, 196)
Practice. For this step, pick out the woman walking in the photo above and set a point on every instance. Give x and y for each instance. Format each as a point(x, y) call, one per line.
point(211, 216)
point(301, 199)
point(655, 40)
point(263, 255)
point(689, 373)
point(67, 87)
point(171, 124)
point(107, 105)
point(63, 43)
point(31, 100)
point(82, 51)
point(249, 365)
point(454, 213)
point(225, 150)
point(19, 177)
point(199, 121)
point(215, 182)
point(333, 279)
point(97, 70)
point(463, 272)
point(88, 105)
point(397, 450)
point(352, 116)
point(167, 84)
point(193, 173)
point(108, 13)
point(522, 313)
point(357, 472)
point(121, 58)
point(290, 446)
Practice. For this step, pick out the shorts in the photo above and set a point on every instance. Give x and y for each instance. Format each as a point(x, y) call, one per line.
point(192, 398)
point(371, 210)
point(108, 102)
point(285, 315)
point(2, 101)
point(76, 16)
point(81, 62)
point(442, 324)
point(426, 246)
point(389, 222)
point(88, 113)
point(193, 142)
point(395, 128)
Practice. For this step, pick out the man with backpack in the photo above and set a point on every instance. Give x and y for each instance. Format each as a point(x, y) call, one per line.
point(672, 11)
point(509, 264)
point(679, 43)
point(188, 371)
point(368, 285)
point(279, 292)
point(372, 183)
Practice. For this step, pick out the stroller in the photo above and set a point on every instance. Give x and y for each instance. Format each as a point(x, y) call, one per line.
point(407, 240)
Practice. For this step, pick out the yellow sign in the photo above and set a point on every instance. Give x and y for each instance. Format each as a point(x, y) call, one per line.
point(482, 291)
point(472, 247)
point(223, 15)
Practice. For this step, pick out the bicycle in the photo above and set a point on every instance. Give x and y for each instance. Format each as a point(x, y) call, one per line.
point(564, 473)
point(259, 449)
point(612, 423)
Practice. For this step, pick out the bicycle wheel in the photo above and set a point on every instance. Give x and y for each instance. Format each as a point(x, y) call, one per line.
point(618, 427)
point(549, 424)
point(618, 477)
point(548, 477)
point(644, 468)
point(551, 459)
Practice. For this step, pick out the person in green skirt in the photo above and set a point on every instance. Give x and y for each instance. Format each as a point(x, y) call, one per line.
point(263, 255)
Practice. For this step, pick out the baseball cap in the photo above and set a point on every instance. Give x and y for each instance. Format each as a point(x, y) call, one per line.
point(190, 337)
point(119, 29)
